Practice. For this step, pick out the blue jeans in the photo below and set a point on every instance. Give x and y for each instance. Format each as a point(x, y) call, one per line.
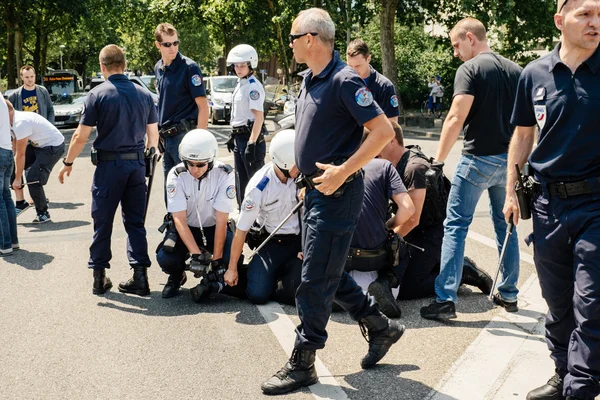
point(8, 219)
point(474, 174)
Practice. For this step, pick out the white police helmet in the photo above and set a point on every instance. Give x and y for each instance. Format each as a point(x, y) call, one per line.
point(243, 53)
point(282, 149)
point(198, 145)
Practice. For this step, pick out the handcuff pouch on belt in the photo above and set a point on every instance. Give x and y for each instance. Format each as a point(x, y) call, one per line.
point(525, 189)
point(256, 235)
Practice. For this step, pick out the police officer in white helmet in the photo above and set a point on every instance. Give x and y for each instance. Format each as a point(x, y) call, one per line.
point(271, 195)
point(247, 117)
point(200, 193)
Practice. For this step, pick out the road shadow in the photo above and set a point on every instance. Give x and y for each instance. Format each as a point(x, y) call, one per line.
point(66, 206)
point(30, 260)
point(155, 306)
point(54, 226)
point(385, 381)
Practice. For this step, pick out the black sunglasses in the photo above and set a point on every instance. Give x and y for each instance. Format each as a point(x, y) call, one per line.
point(198, 165)
point(299, 35)
point(169, 44)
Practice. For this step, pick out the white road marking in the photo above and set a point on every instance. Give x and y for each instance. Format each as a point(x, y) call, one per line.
point(283, 329)
point(509, 357)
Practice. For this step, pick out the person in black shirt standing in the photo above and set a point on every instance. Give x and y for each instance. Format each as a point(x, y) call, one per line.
point(484, 92)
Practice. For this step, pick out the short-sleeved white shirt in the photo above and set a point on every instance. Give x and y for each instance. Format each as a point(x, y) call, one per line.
point(4, 127)
point(268, 201)
point(38, 130)
point(216, 193)
point(248, 95)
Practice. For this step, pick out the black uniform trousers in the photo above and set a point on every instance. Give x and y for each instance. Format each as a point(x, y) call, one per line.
point(328, 225)
point(566, 237)
point(244, 170)
point(119, 182)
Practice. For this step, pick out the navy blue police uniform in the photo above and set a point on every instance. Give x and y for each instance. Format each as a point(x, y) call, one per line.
point(179, 84)
point(120, 110)
point(332, 107)
point(384, 93)
point(566, 210)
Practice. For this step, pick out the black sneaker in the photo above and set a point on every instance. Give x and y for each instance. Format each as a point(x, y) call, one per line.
point(435, 310)
point(42, 218)
point(509, 306)
point(477, 277)
point(20, 208)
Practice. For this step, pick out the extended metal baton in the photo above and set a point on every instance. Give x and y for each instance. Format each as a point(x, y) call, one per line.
point(294, 211)
point(509, 230)
point(25, 184)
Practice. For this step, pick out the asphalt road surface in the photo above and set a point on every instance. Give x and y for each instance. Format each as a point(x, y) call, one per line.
point(58, 341)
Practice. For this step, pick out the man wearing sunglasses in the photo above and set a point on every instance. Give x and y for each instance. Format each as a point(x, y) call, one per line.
point(182, 103)
point(333, 106)
point(200, 193)
point(559, 95)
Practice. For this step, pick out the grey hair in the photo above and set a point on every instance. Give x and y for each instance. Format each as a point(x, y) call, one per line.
point(317, 20)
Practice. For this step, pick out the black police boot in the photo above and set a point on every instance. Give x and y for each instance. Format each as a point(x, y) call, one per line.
point(299, 371)
point(381, 333)
point(138, 284)
point(101, 282)
point(381, 289)
point(204, 291)
point(550, 391)
point(474, 276)
point(173, 284)
point(435, 310)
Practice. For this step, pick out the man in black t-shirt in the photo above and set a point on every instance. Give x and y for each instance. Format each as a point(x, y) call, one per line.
point(425, 227)
point(484, 93)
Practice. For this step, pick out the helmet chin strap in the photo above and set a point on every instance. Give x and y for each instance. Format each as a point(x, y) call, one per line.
point(285, 172)
point(210, 166)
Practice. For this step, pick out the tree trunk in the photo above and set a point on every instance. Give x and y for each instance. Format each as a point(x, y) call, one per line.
point(388, 52)
point(44, 54)
point(282, 54)
point(18, 49)
point(37, 52)
point(11, 75)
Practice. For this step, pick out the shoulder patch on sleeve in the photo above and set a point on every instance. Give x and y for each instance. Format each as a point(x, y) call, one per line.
point(180, 170)
point(263, 183)
point(394, 101)
point(227, 168)
point(254, 94)
point(363, 97)
point(196, 80)
point(230, 191)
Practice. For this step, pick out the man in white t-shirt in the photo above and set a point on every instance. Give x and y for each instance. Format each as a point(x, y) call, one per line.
point(8, 221)
point(38, 147)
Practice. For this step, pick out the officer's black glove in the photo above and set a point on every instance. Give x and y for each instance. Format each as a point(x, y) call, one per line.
point(217, 264)
point(198, 263)
point(250, 152)
point(230, 144)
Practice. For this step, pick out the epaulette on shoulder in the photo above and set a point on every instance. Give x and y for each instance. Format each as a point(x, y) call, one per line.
point(263, 183)
point(251, 80)
point(227, 168)
point(179, 170)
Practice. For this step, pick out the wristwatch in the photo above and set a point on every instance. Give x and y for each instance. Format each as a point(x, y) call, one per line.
point(68, 164)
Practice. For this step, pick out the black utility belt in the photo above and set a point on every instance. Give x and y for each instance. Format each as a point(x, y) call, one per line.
point(109, 156)
point(285, 238)
point(362, 253)
point(307, 181)
point(175, 129)
point(569, 189)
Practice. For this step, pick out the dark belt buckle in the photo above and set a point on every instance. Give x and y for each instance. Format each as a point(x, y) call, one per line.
point(561, 190)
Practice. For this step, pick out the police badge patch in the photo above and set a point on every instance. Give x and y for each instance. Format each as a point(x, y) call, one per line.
point(394, 101)
point(196, 80)
point(230, 191)
point(249, 205)
point(171, 189)
point(540, 116)
point(363, 97)
point(254, 95)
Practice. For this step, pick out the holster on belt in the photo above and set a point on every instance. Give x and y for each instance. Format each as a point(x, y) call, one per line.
point(524, 190)
point(94, 156)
